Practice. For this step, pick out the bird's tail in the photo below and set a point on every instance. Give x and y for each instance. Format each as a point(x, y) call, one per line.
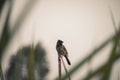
point(68, 61)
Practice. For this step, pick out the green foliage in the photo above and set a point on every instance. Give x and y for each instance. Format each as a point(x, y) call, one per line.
point(31, 64)
point(33, 59)
point(6, 36)
point(2, 2)
point(28, 62)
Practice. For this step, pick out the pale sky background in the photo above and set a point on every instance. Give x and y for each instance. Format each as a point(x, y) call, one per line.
point(81, 24)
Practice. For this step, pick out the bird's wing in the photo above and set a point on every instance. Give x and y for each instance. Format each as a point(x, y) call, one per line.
point(65, 50)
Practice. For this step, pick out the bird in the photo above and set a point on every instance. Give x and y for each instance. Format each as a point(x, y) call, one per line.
point(62, 51)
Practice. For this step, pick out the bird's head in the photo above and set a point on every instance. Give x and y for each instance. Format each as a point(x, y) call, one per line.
point(59, 42)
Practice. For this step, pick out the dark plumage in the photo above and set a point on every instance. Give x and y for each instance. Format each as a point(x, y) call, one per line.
point(62, 50)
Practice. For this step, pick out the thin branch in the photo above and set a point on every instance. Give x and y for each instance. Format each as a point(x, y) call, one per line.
point(59, 67)
point(65, 69)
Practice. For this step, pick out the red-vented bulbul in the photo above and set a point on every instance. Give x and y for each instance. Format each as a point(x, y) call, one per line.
point(62, 50)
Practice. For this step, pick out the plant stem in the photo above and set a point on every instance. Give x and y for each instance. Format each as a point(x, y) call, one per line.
point(65, 69)
point(59, 66)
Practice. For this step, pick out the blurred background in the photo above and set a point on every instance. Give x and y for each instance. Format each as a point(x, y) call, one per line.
point(29, 30)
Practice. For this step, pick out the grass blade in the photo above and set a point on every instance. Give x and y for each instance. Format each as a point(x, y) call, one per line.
point(31, 64)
